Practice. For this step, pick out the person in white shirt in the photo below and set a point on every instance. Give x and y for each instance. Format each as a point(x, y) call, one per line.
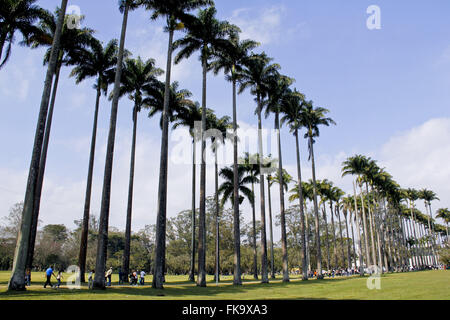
point(142, 282)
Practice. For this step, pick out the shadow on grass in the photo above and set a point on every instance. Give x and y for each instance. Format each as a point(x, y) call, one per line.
point(173, 290)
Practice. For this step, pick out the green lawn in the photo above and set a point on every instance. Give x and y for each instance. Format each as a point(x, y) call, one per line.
point(408, 286)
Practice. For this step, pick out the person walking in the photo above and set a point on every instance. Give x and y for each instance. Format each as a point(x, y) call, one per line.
point(49, 273)
point(58, 278)
point(28, 277)
point(142, 282)
point(90, 279)
point(108, 276)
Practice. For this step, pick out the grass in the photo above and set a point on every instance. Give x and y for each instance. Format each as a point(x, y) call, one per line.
point(427, 285)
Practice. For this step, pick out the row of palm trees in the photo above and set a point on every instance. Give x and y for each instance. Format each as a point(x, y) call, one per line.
point(221, 50)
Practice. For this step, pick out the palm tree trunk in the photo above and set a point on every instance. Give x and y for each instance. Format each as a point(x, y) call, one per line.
point(87, 199)
point(316, 210)
point(358, 227)
point(126, 251)
point(192, 268)
point(340, 233)
point(432, 235)
point(217, 216)
point(236, 222)
point(2, 43)
point(160, 241)
point(272, 261)
point(255, 255)
point(333, 229)
point(201, 279)
point(42, 163)
point(302, 212)
point(327, 240)
point(99, 279)
point(349, 261)
point(282, 213)
point(264, 273)
point(371, 227)
point(17, 281)
point(366, 237)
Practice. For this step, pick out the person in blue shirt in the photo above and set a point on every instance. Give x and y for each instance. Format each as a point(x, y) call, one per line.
point(49, 273)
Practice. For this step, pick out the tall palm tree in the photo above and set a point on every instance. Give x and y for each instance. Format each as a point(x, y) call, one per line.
point(221, 126)
point(356, 165)
point(173, 11)
point(346, 205)
point(312, 119)
point(278, 91)
point(16, 16)
point(284, 180)
point(337, 195)
point(187, 118)
point(231, 62)
point(72, 44)
point(323, 187)
point(251, 164)
point(96, 61)
point(292, 112)
point(256, 75)
point(428, 196)
point(205, 34)
point(17, 281)
point(138, 77)
point(99, 281)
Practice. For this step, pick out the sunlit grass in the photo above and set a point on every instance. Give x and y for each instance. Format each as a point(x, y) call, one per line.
point(414, 285)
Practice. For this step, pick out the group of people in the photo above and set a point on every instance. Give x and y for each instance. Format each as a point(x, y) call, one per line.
point(134, 278)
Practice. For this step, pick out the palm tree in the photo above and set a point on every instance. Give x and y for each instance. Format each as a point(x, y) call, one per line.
point(412, 196)
point(187, 118)
point(226, 189)
point(312, 119)
point(220, 125)
point(256, 75)
point(428, 196)
point(346, 205)
point(72, 44)
point(337, 195)
point(231, 62)
point(205, 34)
point(99, 62)
point(251, 164)
point(99, 281)
point(356, 165)
point(444, 214)
point(292, 110)
point(173, 11)
point(138, 77)
point(16, 16)
point(323, 188)
point(284, 181)
point(17, 281)
point(278, 91)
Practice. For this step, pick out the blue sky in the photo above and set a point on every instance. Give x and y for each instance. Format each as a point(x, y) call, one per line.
point(388, 91)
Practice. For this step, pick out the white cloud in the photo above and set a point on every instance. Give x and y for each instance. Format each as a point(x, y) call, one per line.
point(265, 24)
